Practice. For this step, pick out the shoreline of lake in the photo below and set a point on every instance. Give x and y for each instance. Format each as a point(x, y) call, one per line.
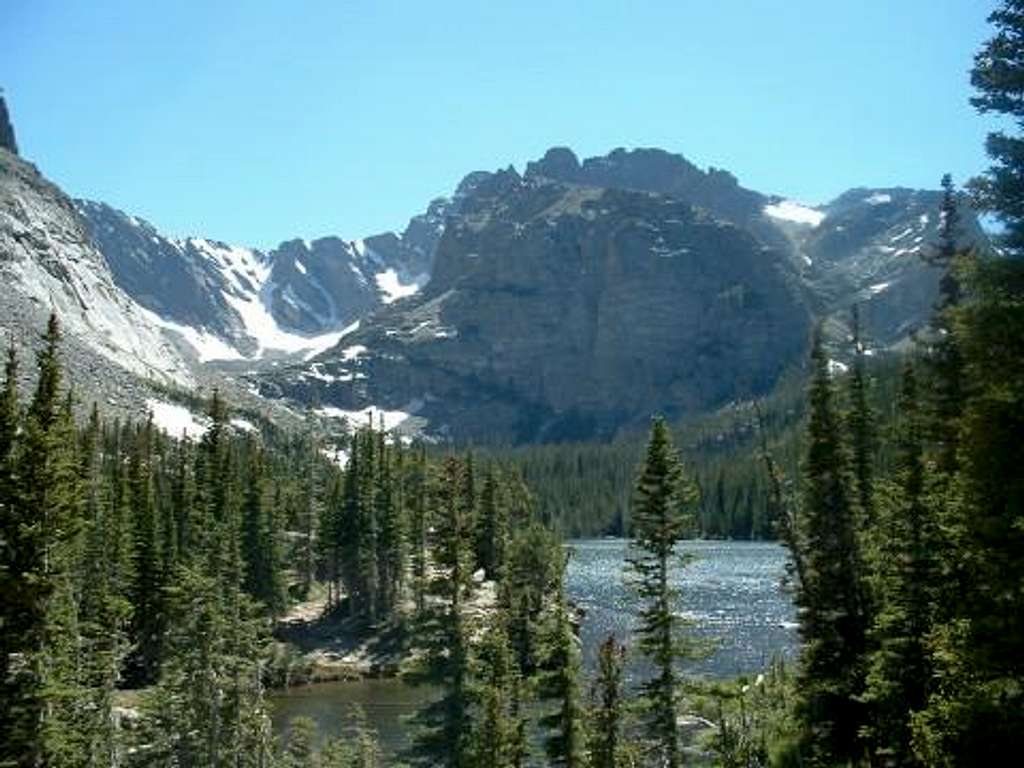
point(731, 590)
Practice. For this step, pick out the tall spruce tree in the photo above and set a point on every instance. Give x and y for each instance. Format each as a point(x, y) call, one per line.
point(419, 526)
point(609, 708)
point(943, 357)
point(661, 515)
point(10, 536)
point(492, 537)
point(43, 727)
point(559, 687)
point(904, 568)
point(831, 602)
point(860, 422)
point(443, 727)
point(147, 594)
point(499, 727)
point(998, 79)
point(974, 714)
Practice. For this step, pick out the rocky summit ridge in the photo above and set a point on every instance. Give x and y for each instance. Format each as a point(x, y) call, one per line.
point(580, 297)
point(567, 302)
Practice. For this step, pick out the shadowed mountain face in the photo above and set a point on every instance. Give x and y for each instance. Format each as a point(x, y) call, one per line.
point(654, 170)
point(233, 302)
point(568, 303)
point(582, 297)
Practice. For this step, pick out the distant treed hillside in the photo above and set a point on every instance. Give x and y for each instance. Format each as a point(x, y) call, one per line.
point(584, 489)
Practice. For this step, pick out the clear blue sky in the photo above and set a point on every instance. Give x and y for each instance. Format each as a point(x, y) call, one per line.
point(255, 122)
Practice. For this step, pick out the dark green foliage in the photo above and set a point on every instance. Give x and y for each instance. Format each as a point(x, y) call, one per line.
point(974, 713)
point(607, 713)
point(443, 728)
point(299, 751)
point(584, 489)
point(975, 709)
point(998, 78)
point(260, 536)
point(860, 423)
point(499, 728)
point(360, 750)
point(559, 690)
point(147, 587)
point(419, 526)
point(661, 517)
point(831, 600)
point(10, 536)
point(905, 577)
point(492, 536)
point(943, 357)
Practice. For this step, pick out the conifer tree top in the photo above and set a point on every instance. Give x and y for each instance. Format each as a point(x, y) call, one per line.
point(7, 140)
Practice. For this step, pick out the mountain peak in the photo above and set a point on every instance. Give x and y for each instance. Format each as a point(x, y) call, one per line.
point(7, 140)
point(557, 163)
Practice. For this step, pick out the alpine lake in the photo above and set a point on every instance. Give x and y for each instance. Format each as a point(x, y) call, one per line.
point(730, 593)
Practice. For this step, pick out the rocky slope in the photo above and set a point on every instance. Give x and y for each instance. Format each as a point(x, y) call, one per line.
point(228, 302)
point(581, 297)
point(47, 263)
point(569, 302)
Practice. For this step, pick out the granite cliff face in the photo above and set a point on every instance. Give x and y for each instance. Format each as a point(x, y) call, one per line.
point(48, 264)
point(228, 302)
point(561, 311)
point(567, 303)
point(580, 298)
point(654, 170)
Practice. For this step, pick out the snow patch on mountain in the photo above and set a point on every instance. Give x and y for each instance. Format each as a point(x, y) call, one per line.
point(351, 353)
point(176, 420)
point(392, 419)
point(789, 210)
point(393, 288)
point(206, 346)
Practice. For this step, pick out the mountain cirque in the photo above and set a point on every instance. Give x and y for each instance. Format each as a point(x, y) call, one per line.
point(566, 303)
point(578, 299)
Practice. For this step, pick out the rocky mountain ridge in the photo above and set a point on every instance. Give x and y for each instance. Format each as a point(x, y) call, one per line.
point(228, 302)
point(567, 302)
point(579, 298)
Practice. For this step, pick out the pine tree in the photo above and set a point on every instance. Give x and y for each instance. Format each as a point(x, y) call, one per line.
point(830, 601)
point(445, 725)
point(943, 356)
point(860, 423)
point(329, 541)
point(607, 714)
point(147, 587)
point(974, 714)
point(10, 540)
point(565, 744)
point(391, 530)
point(261, 550)
point(661, 517)
point(419, 527)
point(104, 613)
point(492, 538)
point(310, 511)
point(900, 673)
point(208, 707)
point(299, 751)
point(42, 724)
point(998, 80)
point(496, 738)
